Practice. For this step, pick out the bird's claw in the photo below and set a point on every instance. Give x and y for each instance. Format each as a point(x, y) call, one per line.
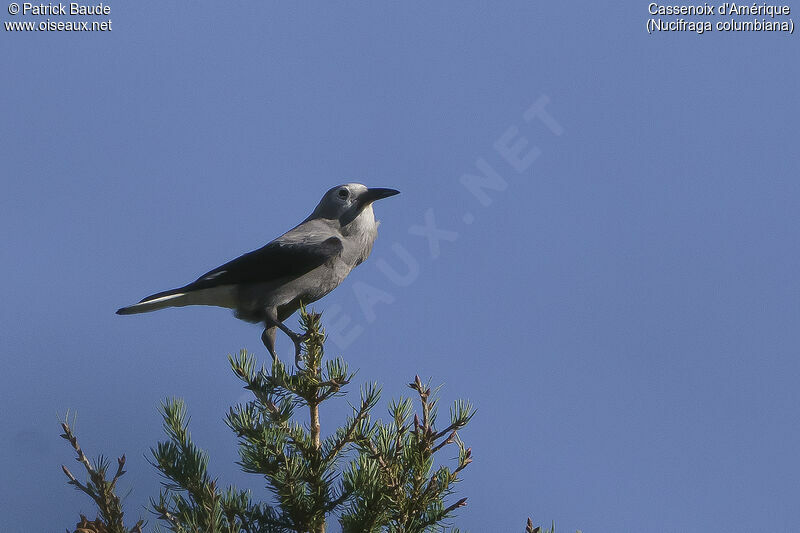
point(298, 340)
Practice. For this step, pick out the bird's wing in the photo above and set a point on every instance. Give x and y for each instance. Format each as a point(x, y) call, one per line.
point(279, 259)
point(291, 255)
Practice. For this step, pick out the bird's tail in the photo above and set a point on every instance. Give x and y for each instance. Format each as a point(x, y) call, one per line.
point(161, 300)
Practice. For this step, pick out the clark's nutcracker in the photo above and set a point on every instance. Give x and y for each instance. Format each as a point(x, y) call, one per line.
point(301, 266)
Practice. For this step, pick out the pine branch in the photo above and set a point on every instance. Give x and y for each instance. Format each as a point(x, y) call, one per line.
point(191, 500)
point(97, 487)
point(393, 480)
point(355, 428)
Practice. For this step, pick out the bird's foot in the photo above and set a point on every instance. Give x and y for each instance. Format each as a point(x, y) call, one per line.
point(298, 339)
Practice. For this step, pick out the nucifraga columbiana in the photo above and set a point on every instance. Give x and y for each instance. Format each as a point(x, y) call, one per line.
point(301, 266)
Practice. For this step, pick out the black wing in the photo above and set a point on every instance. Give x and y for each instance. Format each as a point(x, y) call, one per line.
point(274, 261)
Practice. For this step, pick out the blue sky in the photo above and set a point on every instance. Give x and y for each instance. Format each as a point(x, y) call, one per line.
point(623, 310)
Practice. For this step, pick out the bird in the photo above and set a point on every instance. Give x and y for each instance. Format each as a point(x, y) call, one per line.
point(270, 284)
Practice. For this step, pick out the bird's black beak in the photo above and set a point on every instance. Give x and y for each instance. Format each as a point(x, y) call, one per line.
point(376, 193)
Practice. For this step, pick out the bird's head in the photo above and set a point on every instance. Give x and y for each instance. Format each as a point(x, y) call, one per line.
point(346, 202)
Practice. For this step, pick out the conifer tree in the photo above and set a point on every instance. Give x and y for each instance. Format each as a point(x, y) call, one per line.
point(366, 474)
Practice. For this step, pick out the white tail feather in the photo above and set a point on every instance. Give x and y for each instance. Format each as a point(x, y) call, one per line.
point(173, 300)
point(217, 296)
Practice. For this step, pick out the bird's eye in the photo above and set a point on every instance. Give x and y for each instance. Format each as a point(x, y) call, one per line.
point(343, 193)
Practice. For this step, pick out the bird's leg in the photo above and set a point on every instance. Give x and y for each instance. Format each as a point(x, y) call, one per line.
point(297, 339)
point(268, 338)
